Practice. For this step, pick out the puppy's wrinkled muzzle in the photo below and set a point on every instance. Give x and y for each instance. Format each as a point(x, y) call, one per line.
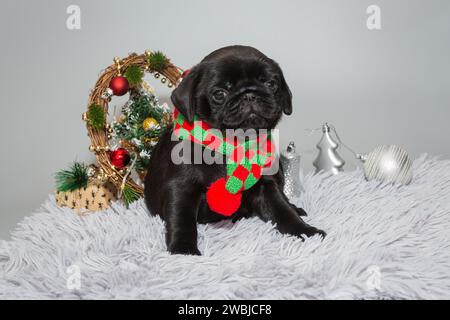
point(250, 97)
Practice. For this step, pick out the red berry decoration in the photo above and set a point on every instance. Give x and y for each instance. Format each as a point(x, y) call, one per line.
point(119, 85)
point(120, 158)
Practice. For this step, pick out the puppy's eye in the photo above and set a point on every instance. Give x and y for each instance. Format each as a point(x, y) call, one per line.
point(271, 84)
point(228, 85)
point(219, 96)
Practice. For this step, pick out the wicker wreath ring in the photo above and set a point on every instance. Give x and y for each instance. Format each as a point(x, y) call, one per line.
point(169, 75)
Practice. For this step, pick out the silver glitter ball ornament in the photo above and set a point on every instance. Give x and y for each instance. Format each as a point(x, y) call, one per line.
point(388, 163)
point(290, 162)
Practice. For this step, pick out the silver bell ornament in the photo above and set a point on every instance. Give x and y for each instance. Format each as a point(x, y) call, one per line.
point(290, 163)
point(388, 163)
point(328, 159)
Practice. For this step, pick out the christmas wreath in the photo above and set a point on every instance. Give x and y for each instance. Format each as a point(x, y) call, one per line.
point(123, 146)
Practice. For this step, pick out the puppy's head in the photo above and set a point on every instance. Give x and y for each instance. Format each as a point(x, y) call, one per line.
point(235, 87)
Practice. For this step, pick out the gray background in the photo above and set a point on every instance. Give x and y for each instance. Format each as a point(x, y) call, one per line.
point(376, 87)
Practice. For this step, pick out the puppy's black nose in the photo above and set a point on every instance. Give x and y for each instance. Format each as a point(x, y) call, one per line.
point(249, 97)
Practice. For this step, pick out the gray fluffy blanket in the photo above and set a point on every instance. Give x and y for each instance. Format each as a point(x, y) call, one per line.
point(383, 241)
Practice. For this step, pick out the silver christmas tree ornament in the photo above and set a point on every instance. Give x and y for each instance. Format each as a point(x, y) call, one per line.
point(290, 162)
point(328, 158)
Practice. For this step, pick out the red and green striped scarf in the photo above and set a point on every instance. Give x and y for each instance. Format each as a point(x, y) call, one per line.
point(244, 161)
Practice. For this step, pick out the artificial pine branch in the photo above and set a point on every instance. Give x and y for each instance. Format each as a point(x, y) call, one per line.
point(134, 75)
point(157, 61)
point(129, 195)
point(96, 116)
point(74, 178)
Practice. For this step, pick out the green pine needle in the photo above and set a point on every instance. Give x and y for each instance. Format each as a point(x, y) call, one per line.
point(96, 116)
point(129, 195)
point(157, 61)
point(134, 75)
point(72, 179)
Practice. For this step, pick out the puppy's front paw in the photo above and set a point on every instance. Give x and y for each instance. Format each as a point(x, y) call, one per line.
point(304, 230)
point(184, 248)
point(300, 211)
point(312, 231)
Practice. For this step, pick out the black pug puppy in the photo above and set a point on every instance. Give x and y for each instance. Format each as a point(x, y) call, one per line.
point(233, 87)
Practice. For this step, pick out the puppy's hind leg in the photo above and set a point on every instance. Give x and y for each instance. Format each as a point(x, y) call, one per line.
point(180, 214)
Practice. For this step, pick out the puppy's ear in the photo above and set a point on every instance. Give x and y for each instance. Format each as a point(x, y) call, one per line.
point(183, 97)
point(284, 94)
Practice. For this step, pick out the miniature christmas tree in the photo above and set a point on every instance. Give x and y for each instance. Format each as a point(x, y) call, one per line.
point(141, 124)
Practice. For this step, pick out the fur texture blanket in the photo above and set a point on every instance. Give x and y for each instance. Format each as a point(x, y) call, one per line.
point(383, 242)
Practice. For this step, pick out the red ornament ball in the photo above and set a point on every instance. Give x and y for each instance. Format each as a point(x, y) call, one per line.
point(220, 200)
point(120, 158)
point(119, 85)
point(185, 73)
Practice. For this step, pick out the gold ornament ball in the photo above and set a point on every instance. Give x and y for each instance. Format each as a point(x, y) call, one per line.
point(149, 124)
point(122, 119)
